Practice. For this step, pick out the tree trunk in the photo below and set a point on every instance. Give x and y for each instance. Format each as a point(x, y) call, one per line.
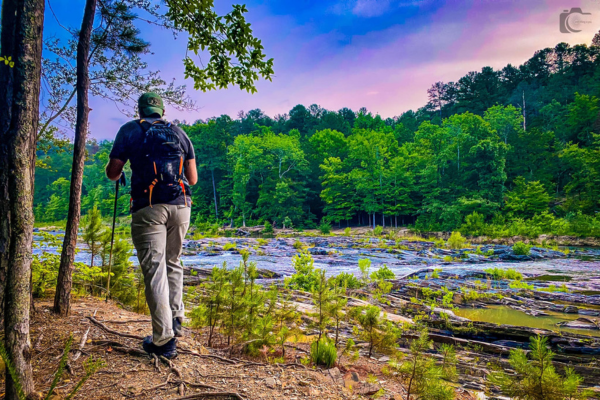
point(62, 299)
point(212, 172)
point(22, 28)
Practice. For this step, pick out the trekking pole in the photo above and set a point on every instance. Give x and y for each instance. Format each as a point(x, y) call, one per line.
point(112, 234)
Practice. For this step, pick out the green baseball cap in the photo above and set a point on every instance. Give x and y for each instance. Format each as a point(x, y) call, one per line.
point(151, 103)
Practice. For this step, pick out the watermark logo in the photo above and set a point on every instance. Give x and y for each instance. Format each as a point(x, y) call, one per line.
point(8, 61)
point(571, 20)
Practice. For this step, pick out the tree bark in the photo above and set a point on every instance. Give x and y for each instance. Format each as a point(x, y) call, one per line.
point(22, 28)
point(62, 298)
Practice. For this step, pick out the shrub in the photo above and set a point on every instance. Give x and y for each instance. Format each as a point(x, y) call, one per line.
point(474, 224)
point(298, 245)
point(230, 246)
point(306, 277)
point(440, 243)
point(268, 229)
point(521, 249)
point(449, 360)
point(534, 376)
point(348, 231)
point(198, 316)
point(456, 241)
point(323, 352)
point(383, 273)
point(375, 329)
point(499, 274)
point(365, 266)
point(436, 273)
point(520, 285)
point(345, 279)
point(420, 374)
point(553, 288)
point(378, 230)
point(44, 266)
point(325, 228)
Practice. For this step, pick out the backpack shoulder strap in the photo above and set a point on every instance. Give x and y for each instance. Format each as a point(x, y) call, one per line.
point(145, 125)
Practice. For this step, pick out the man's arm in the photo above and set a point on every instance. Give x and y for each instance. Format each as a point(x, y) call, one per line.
point(191, 174)
point(114, 168)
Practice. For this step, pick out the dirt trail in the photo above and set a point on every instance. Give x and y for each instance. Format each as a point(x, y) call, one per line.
point(196, 373)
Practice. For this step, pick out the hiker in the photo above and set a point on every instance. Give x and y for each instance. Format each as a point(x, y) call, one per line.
point(163, 167)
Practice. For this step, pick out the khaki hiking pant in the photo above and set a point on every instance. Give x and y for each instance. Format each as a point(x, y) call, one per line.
point(157, 234)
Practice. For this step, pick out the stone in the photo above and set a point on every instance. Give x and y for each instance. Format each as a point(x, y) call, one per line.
point(318, 251)
point(583, 323)
point(271, 383)
point(570, 310)
point(336, 376)
point(367, 389)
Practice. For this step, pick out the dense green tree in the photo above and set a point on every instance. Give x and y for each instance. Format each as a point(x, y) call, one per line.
point(210, 141)
point(527, 198)
point(58, 204)
point(581, 115)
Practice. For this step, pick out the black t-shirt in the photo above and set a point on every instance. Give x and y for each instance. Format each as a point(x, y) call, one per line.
point(126, 148)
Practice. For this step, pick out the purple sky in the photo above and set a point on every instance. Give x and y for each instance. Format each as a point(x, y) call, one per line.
point(378, 54)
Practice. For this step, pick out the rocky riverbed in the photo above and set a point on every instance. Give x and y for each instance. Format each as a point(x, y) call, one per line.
point(557, 294)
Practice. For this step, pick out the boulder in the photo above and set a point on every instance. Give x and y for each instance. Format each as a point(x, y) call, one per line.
point(336, 376)
point(570, 310)
point(367, 389)
point(583, 323)
point(318, 251)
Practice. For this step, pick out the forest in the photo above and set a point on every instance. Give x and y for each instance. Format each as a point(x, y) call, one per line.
point(498, 152)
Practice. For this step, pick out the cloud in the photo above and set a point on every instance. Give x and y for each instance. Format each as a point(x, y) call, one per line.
point(372, 8)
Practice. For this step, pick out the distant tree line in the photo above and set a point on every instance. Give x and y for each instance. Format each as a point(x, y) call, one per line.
point(517, 143)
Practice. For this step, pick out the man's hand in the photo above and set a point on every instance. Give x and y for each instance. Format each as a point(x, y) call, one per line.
point(123, 180)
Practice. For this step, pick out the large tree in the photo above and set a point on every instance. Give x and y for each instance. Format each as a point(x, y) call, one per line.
point(21, 42)
point(62, 298)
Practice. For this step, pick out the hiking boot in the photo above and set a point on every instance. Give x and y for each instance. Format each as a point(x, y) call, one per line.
point(167, 350)
point(177, 326)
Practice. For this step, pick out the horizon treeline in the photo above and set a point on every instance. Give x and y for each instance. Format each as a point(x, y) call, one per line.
point(516, 144)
